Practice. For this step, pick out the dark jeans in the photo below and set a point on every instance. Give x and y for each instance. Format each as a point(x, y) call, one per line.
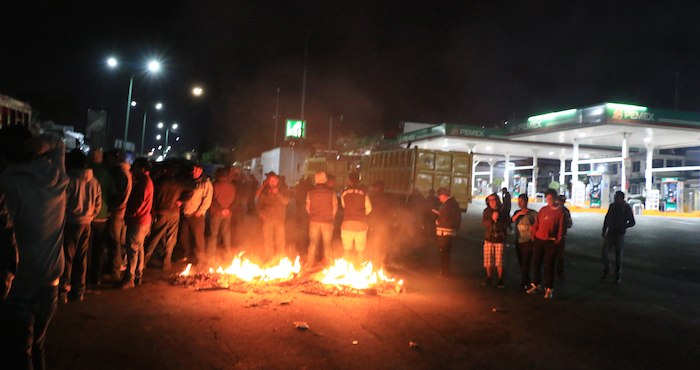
point(561, 248)
point(23, 324)
point(444, 244)
point(617, 242)
point(219, 226)
point(135, 252)
point(544, 250)
point(96, 251)
point(76, 241)
point(192, 238)
point(114, 245)
point(525, 261)
point(164, 229)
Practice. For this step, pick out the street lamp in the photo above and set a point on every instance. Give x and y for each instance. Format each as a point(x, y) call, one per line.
point(197, 91)
point(172, 127)
point(153, 66)
point(157, 106)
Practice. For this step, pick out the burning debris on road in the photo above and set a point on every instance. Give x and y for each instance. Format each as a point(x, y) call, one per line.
point(243, 276)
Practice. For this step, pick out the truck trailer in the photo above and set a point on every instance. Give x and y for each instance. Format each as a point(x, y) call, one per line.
point(406, 170)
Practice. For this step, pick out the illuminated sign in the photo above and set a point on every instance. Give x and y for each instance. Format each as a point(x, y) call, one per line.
point(296, 129)
point(626, 112)
point(546, 120)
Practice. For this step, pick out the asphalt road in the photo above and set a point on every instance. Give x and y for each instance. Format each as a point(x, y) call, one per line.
point(650, 321)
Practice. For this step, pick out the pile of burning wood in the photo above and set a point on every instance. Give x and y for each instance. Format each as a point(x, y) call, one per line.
point(243, 275)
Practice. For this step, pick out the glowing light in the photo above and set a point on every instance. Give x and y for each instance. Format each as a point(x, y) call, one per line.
point(625, 106)
point(175, 126)
point(159, 106)
point(552, 115)
point(197, 91)
point(177, 138)
point(112, 62)
point(581, 134)
point(154, 66)
point(160, 125)
point(158, 137)
point(133, 103)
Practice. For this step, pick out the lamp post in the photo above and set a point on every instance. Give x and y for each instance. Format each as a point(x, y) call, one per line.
point(173, 127)
point(153, 66)
point(157, 106)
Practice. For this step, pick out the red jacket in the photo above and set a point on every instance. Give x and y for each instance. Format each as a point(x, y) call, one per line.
point(138, 208)
point(549, 224)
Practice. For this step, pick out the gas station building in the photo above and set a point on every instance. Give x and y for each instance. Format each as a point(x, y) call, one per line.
point(646, 152)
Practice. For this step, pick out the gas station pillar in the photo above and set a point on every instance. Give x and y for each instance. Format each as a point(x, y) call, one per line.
point(625, 160)
point(652, 195)
point(506, 173)
point(535, 170)
point(578, 190)
point(562, 174)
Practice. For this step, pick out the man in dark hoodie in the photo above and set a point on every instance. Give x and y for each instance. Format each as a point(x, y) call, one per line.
point(138, 222)
point(34, 184)
point(495, 222)
point(618, 219)
point(272, 208)
point(166, 210)
point(118, 196)
point(83, 202)
point(449, 219)
point(220, 212)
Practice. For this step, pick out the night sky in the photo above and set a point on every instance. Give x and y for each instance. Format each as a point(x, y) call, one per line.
point(377, 63)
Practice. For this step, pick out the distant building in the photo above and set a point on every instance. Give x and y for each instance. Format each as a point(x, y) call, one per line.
point(14, 112)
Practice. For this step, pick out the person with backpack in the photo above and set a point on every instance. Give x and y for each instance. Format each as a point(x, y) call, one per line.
point(524, 220)
point(618, 219)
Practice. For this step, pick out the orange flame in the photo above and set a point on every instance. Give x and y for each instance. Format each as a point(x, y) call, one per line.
point(344, 274)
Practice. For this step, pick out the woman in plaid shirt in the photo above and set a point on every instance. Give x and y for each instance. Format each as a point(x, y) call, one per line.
point(495, 226)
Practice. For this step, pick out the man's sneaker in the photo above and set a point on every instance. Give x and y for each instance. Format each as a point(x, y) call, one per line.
point(500, 284)
point(487, 282)
point(534, 288)
point(549, 293)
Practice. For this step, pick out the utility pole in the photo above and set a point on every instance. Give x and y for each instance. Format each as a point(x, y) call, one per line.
point(277, 116)
point(303, 85)
point(330, 134)
point(675, 97)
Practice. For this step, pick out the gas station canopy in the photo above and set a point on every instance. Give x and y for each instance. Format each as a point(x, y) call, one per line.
point(598, 129)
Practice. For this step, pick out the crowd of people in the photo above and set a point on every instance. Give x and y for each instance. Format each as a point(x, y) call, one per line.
point(68, 222)
point(540, 239)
